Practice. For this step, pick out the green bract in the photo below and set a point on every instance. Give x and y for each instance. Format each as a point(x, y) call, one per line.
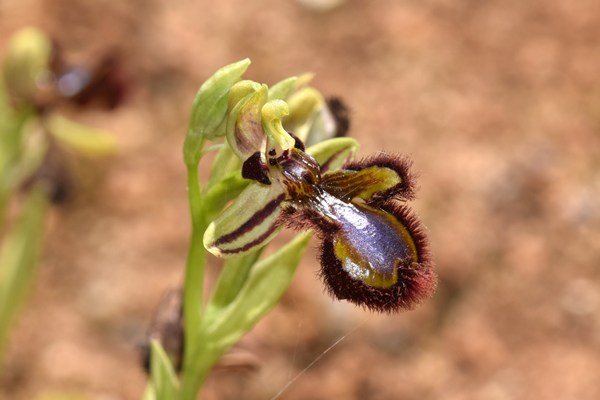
point(209, 109)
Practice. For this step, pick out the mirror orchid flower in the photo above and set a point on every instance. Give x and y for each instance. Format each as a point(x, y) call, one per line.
point(374, 251)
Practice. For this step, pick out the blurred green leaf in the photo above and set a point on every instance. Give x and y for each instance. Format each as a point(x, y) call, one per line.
point(80, 138)
point(19, 256)
point(22, 149)
point(210, 108)
point(268, 280)
point(164, 379)
point(16, 125)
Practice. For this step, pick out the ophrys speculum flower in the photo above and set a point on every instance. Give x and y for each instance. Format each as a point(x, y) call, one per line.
point(374, 252)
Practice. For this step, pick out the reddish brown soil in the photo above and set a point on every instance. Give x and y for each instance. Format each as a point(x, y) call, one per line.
point(497, 102)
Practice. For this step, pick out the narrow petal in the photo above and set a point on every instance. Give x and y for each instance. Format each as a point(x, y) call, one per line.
point(250, 222)
point(401, 166)
point(347, 184)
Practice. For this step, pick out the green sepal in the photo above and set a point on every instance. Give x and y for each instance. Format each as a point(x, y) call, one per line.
point(333, 153)
point(164, 378)
point(285, 88)
point(209, 109)
point(248, 224)
point(245, 133)
point(268, 280)
point(321, 127)
point(282, 89)
point(80, 138)
point(219, 194)
point(304, 105)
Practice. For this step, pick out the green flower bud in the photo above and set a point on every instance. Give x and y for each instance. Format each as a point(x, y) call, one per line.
point(209, 109)
point(26, 64)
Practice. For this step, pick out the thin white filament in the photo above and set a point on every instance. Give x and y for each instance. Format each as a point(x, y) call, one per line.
point(316, 360)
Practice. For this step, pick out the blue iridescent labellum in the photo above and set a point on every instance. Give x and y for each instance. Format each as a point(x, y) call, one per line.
point(397, 272)
point(374, 252)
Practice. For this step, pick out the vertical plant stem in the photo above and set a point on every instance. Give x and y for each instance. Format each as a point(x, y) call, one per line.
point(193, 289)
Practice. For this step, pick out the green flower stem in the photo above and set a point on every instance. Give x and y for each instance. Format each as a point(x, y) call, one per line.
point(204, 359)
point(193, 289)
point(199, 357)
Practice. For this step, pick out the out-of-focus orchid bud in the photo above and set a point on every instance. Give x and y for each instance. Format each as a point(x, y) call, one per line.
point(26, 67)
